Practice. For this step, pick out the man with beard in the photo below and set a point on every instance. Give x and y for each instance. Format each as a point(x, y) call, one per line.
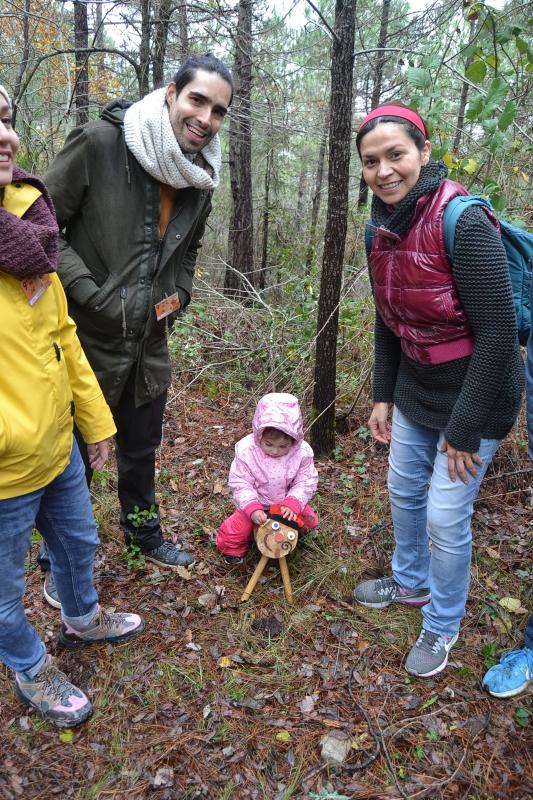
point(132, 193)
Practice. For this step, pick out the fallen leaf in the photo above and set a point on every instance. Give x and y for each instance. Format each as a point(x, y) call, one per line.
point(271, 626)
point(360, 742)
point(502, 626)
point(164, 777)
point(218, 486)
point(183, 573)
point(283, 736)
point(207, 600)
point(224, 662)
point(429, 702)
point(307, 705)
point(249, 702)
point(336, 747)
point(513, 605)
point(66, 736)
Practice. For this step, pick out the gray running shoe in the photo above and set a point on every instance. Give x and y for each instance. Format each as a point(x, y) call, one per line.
point(105, 627)
point(429, 655)
point(54, 696)
point(168, 555)
point(381, 592)
point(50, 591)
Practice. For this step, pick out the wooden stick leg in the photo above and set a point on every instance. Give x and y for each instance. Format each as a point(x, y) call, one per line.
point(286, 579)
point(255, 577)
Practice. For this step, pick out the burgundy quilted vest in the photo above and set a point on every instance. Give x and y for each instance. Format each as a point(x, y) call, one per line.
point(414, 288)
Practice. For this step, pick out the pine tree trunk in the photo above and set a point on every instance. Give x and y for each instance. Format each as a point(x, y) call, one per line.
point(99, 42)
point(378, 85)
point(323, 430)
point(317, 196)
point(143, 76)
point(240, 244)
point(266, 223)
point(473, 20)
point(25, 56)
point(183, 26)
point(161, 24)
point(81, 43)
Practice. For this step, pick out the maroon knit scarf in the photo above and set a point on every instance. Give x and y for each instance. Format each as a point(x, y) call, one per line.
point(29, 246)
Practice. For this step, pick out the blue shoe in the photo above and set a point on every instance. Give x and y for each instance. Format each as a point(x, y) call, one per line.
point(512, 675)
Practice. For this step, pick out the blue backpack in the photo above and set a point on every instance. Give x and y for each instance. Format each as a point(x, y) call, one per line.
point(518, 245)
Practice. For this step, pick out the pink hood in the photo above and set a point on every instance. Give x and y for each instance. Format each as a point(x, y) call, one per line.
point(278, 410)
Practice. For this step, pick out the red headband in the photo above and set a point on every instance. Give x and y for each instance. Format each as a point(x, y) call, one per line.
point(396, 111)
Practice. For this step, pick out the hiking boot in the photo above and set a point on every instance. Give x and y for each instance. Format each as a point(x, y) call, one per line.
point(233, 560)
point(52, 694)
point(50, 591)
point(381, 592)
point(168, 555)
point(429, 655)
point(105, 627)
point(512, 675)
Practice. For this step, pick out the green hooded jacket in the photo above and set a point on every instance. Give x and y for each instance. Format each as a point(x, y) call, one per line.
point(112, 263)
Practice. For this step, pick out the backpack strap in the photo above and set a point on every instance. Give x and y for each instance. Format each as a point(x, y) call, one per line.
point(369, 236)
point(453, 211)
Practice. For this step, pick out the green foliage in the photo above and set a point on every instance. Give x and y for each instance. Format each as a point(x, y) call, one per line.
point(488, 652)
point(139, 517)
point(134, 558)
point(364, 433)
point(497, 151)
point(420, 752)
point(523, 716)
point(270, 343)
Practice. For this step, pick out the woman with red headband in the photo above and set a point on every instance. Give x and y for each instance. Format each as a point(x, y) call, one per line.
point(447, 360)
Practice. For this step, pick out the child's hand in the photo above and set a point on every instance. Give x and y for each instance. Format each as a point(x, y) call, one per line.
point(258, 517)
point(286, 513)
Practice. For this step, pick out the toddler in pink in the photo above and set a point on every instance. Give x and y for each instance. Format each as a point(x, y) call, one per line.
point(271, 465)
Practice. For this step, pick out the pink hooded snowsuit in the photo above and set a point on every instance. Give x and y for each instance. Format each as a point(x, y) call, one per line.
point(257, 480)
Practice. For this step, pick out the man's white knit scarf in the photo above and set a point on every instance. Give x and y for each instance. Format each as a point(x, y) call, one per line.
point(152, 141)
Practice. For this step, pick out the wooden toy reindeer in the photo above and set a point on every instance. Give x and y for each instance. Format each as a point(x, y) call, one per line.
point(275, 539)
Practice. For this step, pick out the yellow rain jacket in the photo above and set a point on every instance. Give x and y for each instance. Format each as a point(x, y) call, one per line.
point(45, 378)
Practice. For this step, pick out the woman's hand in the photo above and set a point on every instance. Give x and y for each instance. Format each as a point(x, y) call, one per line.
point(460, 462)
point(286, 513)
point(98, 453)
point(258, 517)
point(378, 423)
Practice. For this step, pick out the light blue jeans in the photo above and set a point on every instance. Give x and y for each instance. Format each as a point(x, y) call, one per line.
point(428, 507)
point(63, 514)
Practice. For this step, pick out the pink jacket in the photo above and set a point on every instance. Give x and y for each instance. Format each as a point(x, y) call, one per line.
point(258, 480)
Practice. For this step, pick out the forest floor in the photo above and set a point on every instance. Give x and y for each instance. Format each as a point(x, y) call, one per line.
point(221, 700)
